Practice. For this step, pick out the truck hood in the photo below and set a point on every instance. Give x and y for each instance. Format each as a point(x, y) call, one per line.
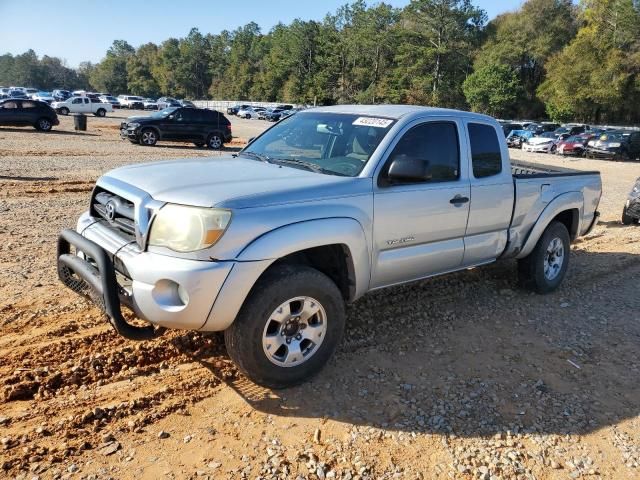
point(229, 182)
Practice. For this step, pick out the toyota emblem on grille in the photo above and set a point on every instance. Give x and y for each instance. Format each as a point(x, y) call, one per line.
point(111, 211)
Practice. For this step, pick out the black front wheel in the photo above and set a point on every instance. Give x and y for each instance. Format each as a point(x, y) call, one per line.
point(288, 327)
point(148, 137)
point(626, 218)
point(546, 266)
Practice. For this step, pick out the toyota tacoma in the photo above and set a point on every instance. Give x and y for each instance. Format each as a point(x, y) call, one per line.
point(270, 244)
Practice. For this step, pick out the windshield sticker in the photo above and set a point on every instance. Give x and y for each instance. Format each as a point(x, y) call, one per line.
point(373, 122)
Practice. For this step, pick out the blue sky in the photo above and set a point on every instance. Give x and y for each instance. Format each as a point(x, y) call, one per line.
point(78, 30)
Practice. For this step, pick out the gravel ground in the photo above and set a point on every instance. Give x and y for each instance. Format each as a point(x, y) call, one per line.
point(464, 376)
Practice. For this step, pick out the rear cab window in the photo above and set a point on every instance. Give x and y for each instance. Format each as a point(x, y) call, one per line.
point(486, 155)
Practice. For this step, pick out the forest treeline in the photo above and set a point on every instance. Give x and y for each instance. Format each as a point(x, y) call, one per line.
point(549, 58)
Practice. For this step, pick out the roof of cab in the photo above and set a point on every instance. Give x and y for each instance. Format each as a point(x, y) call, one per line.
point(397, 111)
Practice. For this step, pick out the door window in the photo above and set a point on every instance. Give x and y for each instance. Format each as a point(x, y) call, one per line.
point(436, 144)
point(485, 150)
point(28, 105)
point(10, 105)
point(76, 101)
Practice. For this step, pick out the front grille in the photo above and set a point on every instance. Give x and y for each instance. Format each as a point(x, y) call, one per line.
point(118, 212)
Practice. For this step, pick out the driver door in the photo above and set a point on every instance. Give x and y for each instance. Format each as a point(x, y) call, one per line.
point(419, 227)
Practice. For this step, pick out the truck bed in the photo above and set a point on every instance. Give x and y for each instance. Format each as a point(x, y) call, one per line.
point(525, 170)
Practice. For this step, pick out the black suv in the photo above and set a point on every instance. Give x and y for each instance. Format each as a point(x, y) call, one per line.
point(197, 125)
point(21, 113)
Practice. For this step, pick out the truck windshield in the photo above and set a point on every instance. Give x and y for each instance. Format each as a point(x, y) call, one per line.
point(329, 143)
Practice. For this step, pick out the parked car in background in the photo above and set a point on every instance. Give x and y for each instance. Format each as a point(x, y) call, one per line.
point(17, 93)
point(251, 112)
point(43, 97)
point(61, 95)
point(517, 138)
point(115, 103)
point(166, 102)
point(631, 209)
point(234, 110)
point(182, 124)
point(30, 92)
point(187, 104)
point(540, 128)
point(574, 145)
point(615, 145)
point(571, 129)
point(82, 105)
point(508, 127)
point(150, 104)
point(19, 113)
point(274, 115)
point(544, 143)
point(132, 102)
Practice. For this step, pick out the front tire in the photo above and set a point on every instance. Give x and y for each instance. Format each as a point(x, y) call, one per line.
point(627, 219)
point(64, 111)
point(288, 327)
point(44, 125)
point(148, 137)
point(546, 266)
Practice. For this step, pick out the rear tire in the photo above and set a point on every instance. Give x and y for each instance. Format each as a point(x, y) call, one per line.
point(44, 125)
point(101, 112)
point(546, 266)
point(215, 141)
point(276, 326)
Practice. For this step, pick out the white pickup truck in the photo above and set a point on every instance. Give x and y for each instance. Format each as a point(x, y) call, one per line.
point(268, 245)
point(82, 105)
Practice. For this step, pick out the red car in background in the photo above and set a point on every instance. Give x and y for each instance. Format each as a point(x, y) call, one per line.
point(574, 145)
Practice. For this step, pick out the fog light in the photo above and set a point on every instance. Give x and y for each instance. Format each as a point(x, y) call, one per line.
point(169, 295)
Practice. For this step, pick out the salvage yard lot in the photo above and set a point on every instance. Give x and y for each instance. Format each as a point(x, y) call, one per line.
point(463, 376)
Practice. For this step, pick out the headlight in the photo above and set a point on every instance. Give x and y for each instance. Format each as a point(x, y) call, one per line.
point(614, 144)
point(187, 229)
point(133, 125)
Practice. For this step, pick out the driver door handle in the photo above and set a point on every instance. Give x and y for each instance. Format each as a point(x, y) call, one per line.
point(458, 200)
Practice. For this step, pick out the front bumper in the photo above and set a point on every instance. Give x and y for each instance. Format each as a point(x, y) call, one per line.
point(633, 207)
point(165, 291)
point(543, 148)
point(592, 152)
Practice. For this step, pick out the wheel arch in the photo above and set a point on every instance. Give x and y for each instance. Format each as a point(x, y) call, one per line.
point(335, 246)
point(567, 209)
point(151, 127)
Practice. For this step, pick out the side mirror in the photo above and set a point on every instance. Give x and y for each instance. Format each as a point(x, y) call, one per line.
point(405, 169)
point(171, 117)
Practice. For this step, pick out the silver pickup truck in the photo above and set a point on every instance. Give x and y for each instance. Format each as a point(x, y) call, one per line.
point(268, 245)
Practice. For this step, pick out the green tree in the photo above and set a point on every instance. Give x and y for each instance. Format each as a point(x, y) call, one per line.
point(597, 76)
point(439, 39)
point(110, 74)
point(492, 89)
point(140, 79)
point(524, 40)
